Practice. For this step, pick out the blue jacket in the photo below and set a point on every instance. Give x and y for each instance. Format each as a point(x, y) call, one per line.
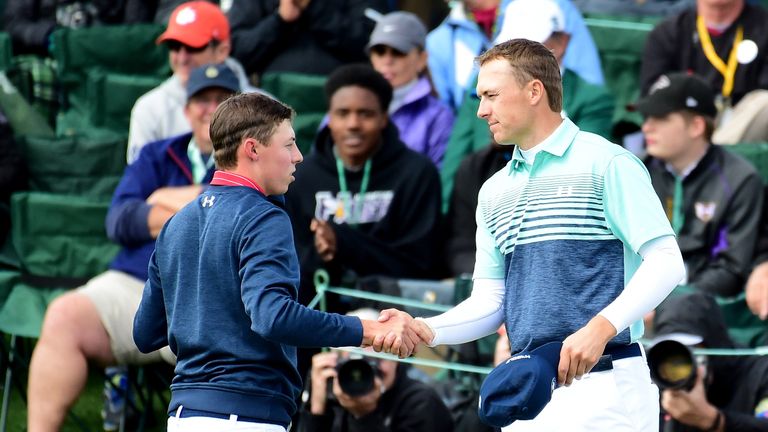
point(160, 164)
point(454, 44)
point(221, 293)
point(424, 122)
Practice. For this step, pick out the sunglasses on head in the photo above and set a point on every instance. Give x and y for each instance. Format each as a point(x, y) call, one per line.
point(176, 46)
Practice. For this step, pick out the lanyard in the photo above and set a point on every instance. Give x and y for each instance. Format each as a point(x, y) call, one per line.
point(678, 218)
point(727, 71)
point(363, 187)
point(199, 168)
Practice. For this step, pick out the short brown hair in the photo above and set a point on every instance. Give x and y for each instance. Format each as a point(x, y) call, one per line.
point(247, 115)
point(709, 122)
point(530, 60)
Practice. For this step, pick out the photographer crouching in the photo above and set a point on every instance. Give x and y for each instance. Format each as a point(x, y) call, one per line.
point(350, 394)
point(713, 393)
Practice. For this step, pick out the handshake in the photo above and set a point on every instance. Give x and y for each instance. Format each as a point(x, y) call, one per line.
point(396, 332)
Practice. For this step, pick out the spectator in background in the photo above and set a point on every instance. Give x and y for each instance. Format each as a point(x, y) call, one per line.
point(363, 203)
point(31, 22)
point(13, 174)
point(197, 34)
point(95, 322)
point(471, 28)
point(396, 403)
point(305, 36)
point(712, 197)
point(396, 49)
point(757, 284)
point(589, 106)
point(730, 393)
point(726, 43)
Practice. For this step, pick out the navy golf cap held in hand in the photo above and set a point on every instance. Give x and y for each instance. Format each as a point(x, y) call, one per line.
point(521, 387)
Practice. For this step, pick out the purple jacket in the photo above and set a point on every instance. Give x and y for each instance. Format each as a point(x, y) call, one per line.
point(424, 122)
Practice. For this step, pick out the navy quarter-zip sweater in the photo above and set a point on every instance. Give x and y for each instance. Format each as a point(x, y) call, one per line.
point(222, 292)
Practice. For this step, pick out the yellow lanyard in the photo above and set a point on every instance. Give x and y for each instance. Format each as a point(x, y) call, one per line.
point(728, 71)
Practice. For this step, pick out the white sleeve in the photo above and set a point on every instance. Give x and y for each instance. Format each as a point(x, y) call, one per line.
point(479, 315)
point(660, 272)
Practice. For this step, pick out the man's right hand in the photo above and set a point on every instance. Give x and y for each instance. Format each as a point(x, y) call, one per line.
point(174, 198)
point(397, 333)
point(757, 291)
point(323, 368)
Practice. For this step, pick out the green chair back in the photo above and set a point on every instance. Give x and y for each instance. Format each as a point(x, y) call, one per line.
point(90, 166)
point(60, 238)
point(6, 51)
point(620, 43)
point(757, 153)
point(305, 94)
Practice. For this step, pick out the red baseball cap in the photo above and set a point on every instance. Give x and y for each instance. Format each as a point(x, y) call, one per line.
point(196, 24)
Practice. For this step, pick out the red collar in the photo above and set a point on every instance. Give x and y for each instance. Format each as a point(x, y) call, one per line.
point(226, 178)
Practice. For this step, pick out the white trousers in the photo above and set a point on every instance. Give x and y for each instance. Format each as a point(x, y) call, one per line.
point(620, 400)
point(209, 424)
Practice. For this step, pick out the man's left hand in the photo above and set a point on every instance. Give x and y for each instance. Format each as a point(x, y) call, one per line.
point(325, 239)
point(583, 349)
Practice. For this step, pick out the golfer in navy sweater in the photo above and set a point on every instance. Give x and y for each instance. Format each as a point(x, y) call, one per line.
point(223, 284)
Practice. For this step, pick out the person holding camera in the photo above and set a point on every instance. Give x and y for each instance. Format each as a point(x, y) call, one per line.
point(350, 394)
point(725, 393)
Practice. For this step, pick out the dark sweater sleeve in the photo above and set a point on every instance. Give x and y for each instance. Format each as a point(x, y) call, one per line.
point(28, 31)
point(343, 30)
point(727, 272)
point(257, 35)
point(659, 53)
point(150, 326)
point(410, 250)
point(269, 271)
point(460, 247)
point(738, 422)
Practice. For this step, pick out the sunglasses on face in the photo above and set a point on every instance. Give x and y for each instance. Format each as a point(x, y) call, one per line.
point(176, 46)
point(380, 50)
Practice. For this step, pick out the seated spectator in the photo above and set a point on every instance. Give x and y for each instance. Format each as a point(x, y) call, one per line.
point(95, 322)
point(13, 174)
point(305, 36)
point(31, 22)
point(197, 34)
point(397, 52)
point(730, 393)
point(711, 196)
point(363, 203)
point(473, 25)
point(726, 43)
point(474, 170)
point(757, 284)
point(396, 403)
point(589, 106)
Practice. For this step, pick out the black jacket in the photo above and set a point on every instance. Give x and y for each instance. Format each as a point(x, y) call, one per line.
point(722, 198)
point(409, 406)
point(399, 234)
point(735, 385)
point(474, 170)
point(326, 35)
point(673, 46)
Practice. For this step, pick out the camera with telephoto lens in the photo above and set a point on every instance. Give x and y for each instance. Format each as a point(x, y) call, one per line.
point(356, 375)
point(673, 365)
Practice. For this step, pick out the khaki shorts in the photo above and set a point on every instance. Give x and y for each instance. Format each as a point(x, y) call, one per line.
point(116, 296)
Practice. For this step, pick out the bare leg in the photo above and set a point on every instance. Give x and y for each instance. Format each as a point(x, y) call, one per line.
point(72, 334)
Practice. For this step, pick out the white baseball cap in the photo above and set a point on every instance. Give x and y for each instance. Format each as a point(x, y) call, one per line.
point(534, 20)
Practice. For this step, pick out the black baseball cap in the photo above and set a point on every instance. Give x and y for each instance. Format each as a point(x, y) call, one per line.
point(677, 92)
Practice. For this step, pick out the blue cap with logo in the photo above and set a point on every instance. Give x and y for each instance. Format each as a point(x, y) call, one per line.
point(521, 387)
point(212, 75)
